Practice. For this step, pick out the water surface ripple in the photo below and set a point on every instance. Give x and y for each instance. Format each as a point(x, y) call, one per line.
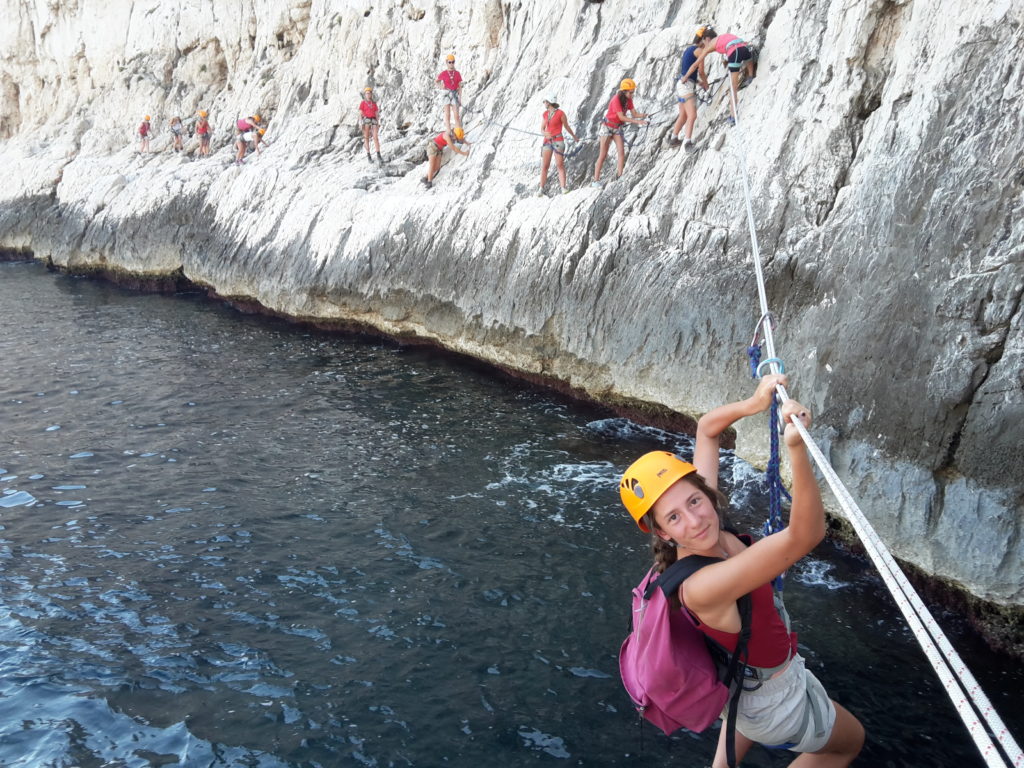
point(226, 541)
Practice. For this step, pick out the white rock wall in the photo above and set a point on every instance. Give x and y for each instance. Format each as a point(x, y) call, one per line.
point(882, 141)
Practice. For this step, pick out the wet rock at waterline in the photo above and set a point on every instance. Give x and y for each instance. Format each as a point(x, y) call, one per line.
point(886, 182)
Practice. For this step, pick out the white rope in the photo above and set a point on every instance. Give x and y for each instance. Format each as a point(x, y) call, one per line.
point(952, 672)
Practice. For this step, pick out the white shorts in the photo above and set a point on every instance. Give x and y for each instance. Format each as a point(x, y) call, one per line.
point(685, 89)
point(247, 136)
point(791, 711)
point(450, 97)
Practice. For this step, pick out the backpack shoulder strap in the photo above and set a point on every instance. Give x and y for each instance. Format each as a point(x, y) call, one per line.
point(680, 571)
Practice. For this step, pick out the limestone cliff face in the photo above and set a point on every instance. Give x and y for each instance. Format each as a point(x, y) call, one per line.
point(882, 140)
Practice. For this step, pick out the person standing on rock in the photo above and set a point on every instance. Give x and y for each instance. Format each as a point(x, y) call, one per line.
point(203, 132)
point(686, 93)
point(369, 109)
point(435, 151)
point(450, 83)
point(620, 112)
point(552, 123)
point(782, 705)
point(247, 129)
point(177, 134)
point(144, 133)
point(739, 58)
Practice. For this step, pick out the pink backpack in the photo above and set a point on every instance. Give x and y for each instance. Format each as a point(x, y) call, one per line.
point(666, 664)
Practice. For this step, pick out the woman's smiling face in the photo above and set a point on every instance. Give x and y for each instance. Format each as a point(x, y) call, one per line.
point(684, 514)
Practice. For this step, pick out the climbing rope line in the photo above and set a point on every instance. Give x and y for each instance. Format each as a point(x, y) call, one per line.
point(638, 134)
point(950, 668)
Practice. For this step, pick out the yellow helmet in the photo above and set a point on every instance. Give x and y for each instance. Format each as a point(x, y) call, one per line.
point(256, 118)
point(450, 57)
point(367, 89)
point(627, 85)
point(146, 117)
point(262, 131)
point(703, 33)
point(202, 113)
point(647, 479)
point(460, 134)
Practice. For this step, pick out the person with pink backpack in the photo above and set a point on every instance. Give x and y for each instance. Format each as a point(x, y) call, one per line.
point(709, 584)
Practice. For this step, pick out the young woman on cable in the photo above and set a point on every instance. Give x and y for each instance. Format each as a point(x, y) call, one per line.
point(620, 112)
point(782, 706)
point(552, 124)
point(203, 132)
point(369, 112)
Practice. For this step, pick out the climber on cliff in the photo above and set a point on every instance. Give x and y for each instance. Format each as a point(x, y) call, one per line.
point(203, 132)
point(435, 150)
point(551, 124)
point(368, 110)
point(620, 112)
point(739, 58)
point(686, 93)
point(450, 83)
point(247, 130)
point(144, 132)
point(177, 134)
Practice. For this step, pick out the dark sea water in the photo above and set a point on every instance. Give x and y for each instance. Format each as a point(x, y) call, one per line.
point(228, 541)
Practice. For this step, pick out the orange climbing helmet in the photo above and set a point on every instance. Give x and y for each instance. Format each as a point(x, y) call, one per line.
point(460, 134)
point(450, 57)
point(627, 84)
point(647, 479)
point(256, 118)
point(202, 113)
point(146, 117)
point(703, 33)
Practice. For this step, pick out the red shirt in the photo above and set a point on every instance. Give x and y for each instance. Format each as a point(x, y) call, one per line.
point(770, 644)
point(368, 108)
point(553, 124)
point(441, 141)
point(451, 79)
point(612, 118)
point(202, 127)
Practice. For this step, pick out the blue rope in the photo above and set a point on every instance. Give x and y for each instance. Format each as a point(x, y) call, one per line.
point(754, 353)
point(772, 473)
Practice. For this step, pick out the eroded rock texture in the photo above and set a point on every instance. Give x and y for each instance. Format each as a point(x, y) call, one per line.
point(883, 145)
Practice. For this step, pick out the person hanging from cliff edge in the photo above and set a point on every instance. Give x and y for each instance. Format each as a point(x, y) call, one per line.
point(739, 58)
point(144, 133)
point(369, 110)
point(782, 706)
point(247, 129)
point(435, 150)
point(551, 124)
point(620, 112)
point(203, 132)
point(686, 93)
point(450, 83)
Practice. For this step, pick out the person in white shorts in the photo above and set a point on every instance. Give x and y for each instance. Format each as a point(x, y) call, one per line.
point(782, 705)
